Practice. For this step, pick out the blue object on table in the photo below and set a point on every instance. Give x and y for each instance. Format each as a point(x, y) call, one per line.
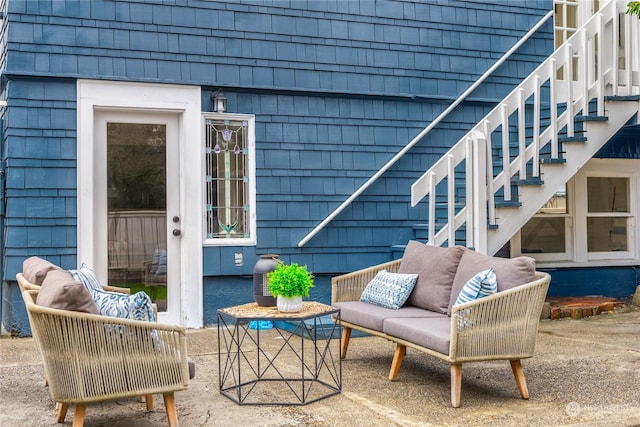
point(260, 324)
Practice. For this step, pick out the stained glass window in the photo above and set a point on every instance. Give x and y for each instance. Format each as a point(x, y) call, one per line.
point(227, 179)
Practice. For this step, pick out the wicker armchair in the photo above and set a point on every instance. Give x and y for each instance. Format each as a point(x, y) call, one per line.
point(90, 358)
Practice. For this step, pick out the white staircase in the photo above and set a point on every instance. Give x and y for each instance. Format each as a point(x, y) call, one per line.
point(483, 190)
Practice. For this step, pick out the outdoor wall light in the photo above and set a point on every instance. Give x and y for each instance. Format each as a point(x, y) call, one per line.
point(219, 101)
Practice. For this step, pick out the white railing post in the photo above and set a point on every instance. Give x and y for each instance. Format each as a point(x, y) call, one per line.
point(451, 200)
point(568, 77)
point(488, 174)
point(536, 127)
point(470, 176)
point(600, 64)
point(432, 208)
point(522, 147)
point(479, 192)
point(583, 77)
point(553, 107)
point(506, 153)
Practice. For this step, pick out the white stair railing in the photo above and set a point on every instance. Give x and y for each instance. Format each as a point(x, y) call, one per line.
point(555, 87)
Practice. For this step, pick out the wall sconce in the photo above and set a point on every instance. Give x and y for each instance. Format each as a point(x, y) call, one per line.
point(219, 101)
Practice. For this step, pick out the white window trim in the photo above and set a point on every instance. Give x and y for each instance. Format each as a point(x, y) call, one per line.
point(576, 226)
point(611, 169)
point(184, 100)
point(251, 147)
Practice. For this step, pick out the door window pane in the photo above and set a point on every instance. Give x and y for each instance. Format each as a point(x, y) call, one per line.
point(136, 202)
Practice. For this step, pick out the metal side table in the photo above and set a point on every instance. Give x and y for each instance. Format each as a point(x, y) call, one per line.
point(295, 362)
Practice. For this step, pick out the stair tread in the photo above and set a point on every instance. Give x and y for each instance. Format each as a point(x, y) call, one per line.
point(551, 160)
point(591, 118)
point(622, 98)
point(572, 139)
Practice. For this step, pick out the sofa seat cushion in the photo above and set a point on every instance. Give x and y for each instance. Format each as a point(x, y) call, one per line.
point(436, 268)
point(430, 332)
point(510, 272)
point(372, 316)
point(35, 269)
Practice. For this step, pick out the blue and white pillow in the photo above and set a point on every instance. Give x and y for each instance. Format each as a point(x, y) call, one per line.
point(390, 290)
point(137, 306)
point(479, 286)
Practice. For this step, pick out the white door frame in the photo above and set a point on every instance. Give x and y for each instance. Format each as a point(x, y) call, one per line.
point(185, 101)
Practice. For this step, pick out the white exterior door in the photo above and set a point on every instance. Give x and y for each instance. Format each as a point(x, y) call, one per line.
point(139, 201)
point(139, 174)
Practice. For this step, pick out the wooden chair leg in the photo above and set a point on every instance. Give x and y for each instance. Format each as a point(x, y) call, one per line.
point(456, 384)
point(344, 341)
point(398, 356)
point(149, 401)
point(78, 415)
point(170, 407)
point(62, 412)
point(521, 382)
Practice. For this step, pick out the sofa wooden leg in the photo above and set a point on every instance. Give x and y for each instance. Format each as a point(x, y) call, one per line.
point(521, 382)
point(170, 407)
point(344, 341)
point(79, 414)
point(148, 399)
point(62, 412)
point(398, 356)
point(456, 384)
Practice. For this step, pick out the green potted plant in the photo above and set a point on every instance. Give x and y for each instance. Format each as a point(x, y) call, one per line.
point(289, 284)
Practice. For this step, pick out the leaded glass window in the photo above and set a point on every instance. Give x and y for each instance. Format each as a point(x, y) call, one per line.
point(228, 178)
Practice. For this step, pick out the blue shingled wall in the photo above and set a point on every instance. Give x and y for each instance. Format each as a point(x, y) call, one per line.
point(337, 88)
point(391, 47)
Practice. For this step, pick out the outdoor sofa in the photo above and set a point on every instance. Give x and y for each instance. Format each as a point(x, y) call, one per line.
point(497, 326)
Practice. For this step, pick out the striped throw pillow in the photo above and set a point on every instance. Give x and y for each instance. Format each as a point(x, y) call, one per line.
point(481, 285)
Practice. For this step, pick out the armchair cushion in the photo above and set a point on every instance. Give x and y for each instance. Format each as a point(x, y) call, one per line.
point(510, 272)
point(137, 306)
point(60, 290)
point(34, 269)
point(436, 268)
point(389, 290)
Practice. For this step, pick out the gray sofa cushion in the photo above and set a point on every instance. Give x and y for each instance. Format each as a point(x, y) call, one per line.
point(510, 272)
point(430, 332)
point(436, 268)
point(372, 316)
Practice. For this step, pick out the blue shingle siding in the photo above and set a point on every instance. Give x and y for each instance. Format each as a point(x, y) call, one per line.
point(337, 88)
point(358, 39)
point(41, 172)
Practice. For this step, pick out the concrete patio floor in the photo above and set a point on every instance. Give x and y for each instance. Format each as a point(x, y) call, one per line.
point(585, 373)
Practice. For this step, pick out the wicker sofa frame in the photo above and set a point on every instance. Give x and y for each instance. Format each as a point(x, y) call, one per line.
point(90, 358)
point(502, 326)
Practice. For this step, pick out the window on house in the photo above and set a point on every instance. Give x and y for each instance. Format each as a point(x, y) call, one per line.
point(546, 232)
point(229, 179)
point(593, 220)
point(608, 214)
